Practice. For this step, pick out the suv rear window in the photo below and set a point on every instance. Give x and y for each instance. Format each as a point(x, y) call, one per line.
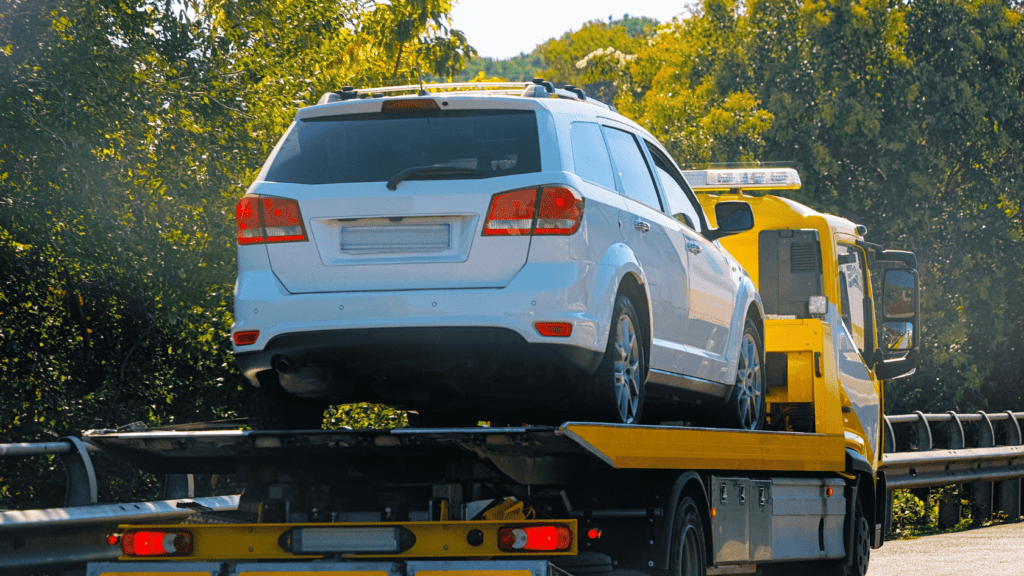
point(376, 147)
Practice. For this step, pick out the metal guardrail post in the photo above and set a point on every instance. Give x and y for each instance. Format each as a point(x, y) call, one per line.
point(1008, 491)
point(178, 486)
point(924, 433)
point(81, 475)
point(949, 503)
point(981, 492)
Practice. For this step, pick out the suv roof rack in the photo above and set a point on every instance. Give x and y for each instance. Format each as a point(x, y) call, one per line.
point(536, 88)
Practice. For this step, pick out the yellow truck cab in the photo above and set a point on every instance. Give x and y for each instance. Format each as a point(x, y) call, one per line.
point(816, 275)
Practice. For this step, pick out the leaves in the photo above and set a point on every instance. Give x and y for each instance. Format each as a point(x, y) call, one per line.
point(128, 130)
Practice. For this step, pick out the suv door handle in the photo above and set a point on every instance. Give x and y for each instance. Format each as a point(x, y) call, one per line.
point(693, 247)
point(642, 226)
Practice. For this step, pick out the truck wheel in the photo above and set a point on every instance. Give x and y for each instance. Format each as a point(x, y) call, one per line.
point(746, 407)
point(617, 388)
point(688, 551)
point(861, 545)
point(271, 407)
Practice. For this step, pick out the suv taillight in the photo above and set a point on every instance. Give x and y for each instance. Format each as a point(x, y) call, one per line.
point(515, 213)
point(263, 219)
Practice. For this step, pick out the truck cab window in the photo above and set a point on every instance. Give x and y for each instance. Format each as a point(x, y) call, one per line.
point(852, 291)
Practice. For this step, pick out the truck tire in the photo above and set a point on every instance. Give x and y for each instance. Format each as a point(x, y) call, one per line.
point(689, 554)
point(616, 390)
point(746, 406)
point(861, 545)
point(271, 407)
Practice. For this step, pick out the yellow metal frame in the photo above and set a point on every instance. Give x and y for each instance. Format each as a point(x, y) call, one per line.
point(700, 448)
point(244, 542)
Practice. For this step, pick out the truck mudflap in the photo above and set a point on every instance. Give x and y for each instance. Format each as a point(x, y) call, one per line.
point(497, 567)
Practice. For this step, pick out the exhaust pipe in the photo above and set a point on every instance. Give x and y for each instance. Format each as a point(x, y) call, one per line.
point(281, 364)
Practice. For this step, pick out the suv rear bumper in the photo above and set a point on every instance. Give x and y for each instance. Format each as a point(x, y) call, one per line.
point(446, 368)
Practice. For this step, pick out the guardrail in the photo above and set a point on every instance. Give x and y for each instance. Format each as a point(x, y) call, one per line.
point(986, 457)
point(33, 541)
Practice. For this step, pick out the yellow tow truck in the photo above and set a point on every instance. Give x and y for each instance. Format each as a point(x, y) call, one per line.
point(585, 498)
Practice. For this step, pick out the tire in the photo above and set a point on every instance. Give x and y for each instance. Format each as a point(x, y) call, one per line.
point(616, 390)
point(746, 406)
point(689, 554)
point(271, 407)
point(861, 545)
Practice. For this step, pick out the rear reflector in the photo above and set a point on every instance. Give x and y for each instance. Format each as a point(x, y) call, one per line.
point(562, 329)
point(350, 540)
point(535, 538)
point(515, 213)
point(156, 543)
point(264, 219)
point(246, 337)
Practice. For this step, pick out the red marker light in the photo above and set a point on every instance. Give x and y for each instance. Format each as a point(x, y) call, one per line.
point(113, 539)
point(594, 533)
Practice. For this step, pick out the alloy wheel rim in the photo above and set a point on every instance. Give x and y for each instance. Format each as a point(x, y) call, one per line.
point(627, 370)
point(750, 383)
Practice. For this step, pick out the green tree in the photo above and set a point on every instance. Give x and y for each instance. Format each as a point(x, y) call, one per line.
point(128, 130)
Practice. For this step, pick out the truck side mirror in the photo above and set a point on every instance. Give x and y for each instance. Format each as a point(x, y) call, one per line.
point(901, 317)
point(733, 217)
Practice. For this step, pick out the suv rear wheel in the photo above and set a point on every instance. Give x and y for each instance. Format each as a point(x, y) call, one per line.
point(617, 388)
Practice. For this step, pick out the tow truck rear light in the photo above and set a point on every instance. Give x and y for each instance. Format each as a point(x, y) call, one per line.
point(516, 213)
point(156, 543)
point(267, 219)
point(535, 538)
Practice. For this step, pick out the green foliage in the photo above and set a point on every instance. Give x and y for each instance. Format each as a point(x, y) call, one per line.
point(128, 130)
point(593, 57)
point(906, 117)
point(913, 517)
point(365, 415)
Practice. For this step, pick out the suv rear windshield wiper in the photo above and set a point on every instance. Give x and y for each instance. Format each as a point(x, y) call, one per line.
point(432, 171)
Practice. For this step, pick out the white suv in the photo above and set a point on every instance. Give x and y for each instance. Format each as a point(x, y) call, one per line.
point(515, 255)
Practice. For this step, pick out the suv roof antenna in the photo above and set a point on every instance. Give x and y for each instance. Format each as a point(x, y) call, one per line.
point(419, 76)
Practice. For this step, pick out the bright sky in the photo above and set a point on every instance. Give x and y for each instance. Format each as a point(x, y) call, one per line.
point(502, 29)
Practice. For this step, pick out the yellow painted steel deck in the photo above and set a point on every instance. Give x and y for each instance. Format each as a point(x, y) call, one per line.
point(707, 449)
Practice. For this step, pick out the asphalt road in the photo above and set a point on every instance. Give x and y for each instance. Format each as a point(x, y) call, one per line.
point(992, 551)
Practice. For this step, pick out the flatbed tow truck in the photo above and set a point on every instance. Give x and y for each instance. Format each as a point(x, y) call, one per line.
point(585, 498)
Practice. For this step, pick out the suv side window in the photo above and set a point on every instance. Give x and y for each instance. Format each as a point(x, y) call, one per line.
point(677, 195)
point(631, 167)
point(590, 155)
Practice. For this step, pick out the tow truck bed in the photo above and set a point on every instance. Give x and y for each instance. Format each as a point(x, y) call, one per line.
point(554, 448)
